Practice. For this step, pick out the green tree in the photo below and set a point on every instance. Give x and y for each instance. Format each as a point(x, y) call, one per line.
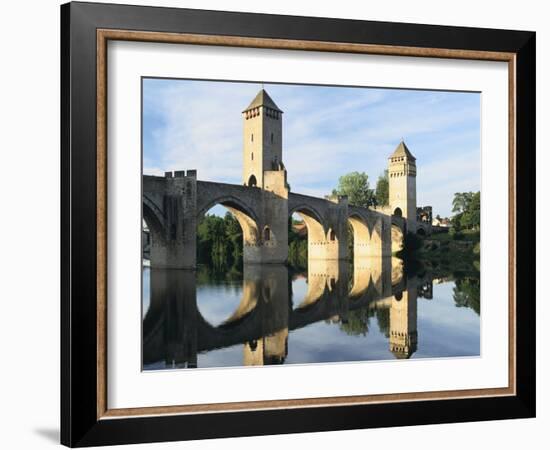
point(234, 234)
point(383, 189)
point(467, 207)
point(356, 186)
point(461, 201)
point(356, 322)
point(383, 319)
point(466, 293)
point(297, 247)
point(219, 241)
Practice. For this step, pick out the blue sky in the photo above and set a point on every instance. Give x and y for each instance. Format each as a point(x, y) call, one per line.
point(327, 132)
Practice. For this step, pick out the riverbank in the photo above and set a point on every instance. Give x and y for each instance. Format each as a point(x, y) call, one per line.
point(447, 252)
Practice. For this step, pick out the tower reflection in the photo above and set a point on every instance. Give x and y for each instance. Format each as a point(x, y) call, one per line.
point(175, 332)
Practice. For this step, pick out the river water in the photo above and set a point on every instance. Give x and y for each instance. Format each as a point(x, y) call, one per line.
point(330, 312)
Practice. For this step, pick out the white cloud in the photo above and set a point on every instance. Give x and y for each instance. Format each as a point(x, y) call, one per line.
point(327, 133)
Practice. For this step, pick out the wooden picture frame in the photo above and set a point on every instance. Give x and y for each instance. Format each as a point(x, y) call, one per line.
point(85, 417)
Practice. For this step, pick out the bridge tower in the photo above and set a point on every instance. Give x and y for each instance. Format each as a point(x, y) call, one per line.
point(263, 168)
point(402, 175)
point(262, 133)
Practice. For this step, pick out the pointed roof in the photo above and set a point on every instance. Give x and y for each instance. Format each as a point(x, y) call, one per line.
point(263, 99)
point(402, 150)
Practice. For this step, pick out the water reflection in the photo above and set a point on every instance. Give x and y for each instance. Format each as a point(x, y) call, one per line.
point(269, 314)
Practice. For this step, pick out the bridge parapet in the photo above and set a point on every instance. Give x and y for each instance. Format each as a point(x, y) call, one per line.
point(174, 204)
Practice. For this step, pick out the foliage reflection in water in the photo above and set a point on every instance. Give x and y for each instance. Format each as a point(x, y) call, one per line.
point(271, 314)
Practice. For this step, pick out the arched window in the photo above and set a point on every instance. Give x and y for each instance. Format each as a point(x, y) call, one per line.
point(252, 137)
point(252, 181)
point(267, 234)
point(252, 156)
point(398, 212)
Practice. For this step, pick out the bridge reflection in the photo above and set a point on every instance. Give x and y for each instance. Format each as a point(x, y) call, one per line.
point(175, 331)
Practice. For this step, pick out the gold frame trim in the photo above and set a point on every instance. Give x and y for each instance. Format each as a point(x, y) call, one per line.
point(103, 36)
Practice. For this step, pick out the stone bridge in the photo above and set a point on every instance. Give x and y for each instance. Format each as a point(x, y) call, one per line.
point(263, 204)
point(174, 328)
point(173, 205)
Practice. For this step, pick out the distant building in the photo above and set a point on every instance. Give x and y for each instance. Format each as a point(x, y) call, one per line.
point(424, 214)
point(441, 222)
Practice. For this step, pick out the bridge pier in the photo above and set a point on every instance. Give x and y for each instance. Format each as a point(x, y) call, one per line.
point(397, 239)
point(372, 271)
point(327, 225)
point(271, 244)
point(371, 234)
point(170, 211)
point(173, 301)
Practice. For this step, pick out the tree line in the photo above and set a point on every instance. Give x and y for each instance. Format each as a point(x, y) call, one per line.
point(219, 241)
point(466, 206)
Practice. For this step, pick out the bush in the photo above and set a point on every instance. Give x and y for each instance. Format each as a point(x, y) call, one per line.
point(456, 234)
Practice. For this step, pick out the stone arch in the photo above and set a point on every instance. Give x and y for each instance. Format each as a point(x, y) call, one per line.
point(232, 331)
point(397, 238)
point(246, 216)
point(376, 226)
point(398, 212)
point(367, 235)
point(307, 211)
point(366, 277)
point(229, 201)
point(262, 310)
point(316, 287)
point(246, 307)
point(154, 219)
point(397, 267)
point(316, 236)
point(152, 215)
point(361, 235)
point(252, 182)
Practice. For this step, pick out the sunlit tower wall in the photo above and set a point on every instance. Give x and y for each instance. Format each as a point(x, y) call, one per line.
point(262, 139)
point(263, 168)
point(402, 176)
